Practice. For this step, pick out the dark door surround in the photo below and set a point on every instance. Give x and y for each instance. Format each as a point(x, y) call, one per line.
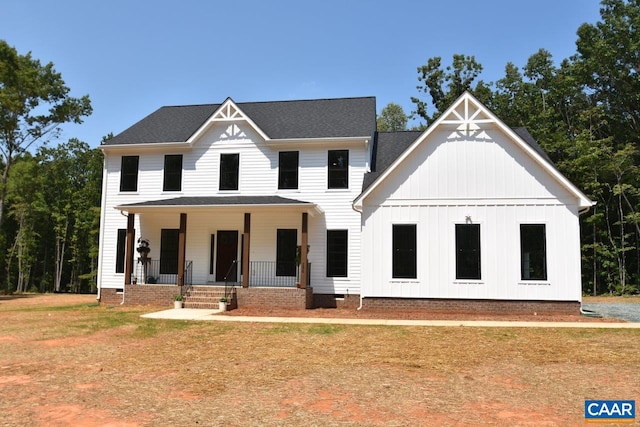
point(226, 253)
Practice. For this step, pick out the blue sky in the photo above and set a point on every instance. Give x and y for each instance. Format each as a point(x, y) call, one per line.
point(132, 57)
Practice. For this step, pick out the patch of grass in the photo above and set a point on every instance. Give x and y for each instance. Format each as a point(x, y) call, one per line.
point(500, 334)
point(54, 308)
point(285, 328)
point(325, 329)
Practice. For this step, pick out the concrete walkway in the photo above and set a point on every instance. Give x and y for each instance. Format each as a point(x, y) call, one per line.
point(215, 315)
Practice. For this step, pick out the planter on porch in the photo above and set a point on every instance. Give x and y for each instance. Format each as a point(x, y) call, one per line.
point(178, 301)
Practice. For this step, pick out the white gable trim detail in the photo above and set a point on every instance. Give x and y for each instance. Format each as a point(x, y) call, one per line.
point(467, 113)
point(227, 112)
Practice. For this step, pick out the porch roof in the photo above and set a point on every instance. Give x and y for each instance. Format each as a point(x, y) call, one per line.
point(220, 202)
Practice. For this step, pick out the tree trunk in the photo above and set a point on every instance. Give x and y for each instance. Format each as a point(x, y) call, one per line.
point(3, 184)
point(61, 244)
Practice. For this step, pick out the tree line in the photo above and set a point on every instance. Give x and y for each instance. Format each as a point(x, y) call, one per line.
point(49, 196)
point(584, 112)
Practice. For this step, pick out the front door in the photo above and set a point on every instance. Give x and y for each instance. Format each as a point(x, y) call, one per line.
point(225, 255)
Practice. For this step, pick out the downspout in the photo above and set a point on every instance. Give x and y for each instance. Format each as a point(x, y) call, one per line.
point(582, 311)
point(358, 208)
point(371, 147)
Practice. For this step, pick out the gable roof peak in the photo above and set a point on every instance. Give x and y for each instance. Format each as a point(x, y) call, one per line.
point(467, 114)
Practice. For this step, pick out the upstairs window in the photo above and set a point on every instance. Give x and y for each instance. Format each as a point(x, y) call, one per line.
point(468, 251)
point(172, 172)
point(337, 241)
point(338, 169)
point(229, 164)
point(533, 252)
point(129, 173)
point(404, 251)
point(288, 170)
point(286, 252)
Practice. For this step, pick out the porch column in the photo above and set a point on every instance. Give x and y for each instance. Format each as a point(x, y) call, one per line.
point(128, 260)
point(303, 250)
point(245, 251)
point(182, 240)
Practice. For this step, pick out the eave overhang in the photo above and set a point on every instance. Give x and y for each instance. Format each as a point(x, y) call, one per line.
point(180, 204)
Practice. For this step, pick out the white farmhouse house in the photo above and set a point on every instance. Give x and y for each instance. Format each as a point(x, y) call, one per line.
point(299, 204)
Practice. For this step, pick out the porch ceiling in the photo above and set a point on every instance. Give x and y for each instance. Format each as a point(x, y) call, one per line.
point(220, 202)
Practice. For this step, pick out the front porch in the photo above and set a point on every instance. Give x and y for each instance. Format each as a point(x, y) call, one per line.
point(256, 246)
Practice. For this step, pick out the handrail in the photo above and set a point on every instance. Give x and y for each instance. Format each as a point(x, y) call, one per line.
point(186, 282)
point(228, 289)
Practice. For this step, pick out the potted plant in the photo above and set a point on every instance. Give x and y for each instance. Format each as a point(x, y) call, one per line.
point(178, 301)
point(135, 280)
point(222, 305)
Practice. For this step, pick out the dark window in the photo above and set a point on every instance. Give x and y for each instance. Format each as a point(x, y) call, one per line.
point(288, 170)
point(338, 169)
point(404, 251)
point(337, 253)
point(533, 252)
point(129, 173)
point(169, 251)
point(286, 252)
point(468, 251)
point(172, 172)
point(121, 250)
point(229, 171)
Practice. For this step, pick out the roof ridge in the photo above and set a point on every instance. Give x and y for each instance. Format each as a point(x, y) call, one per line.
point(269, 102)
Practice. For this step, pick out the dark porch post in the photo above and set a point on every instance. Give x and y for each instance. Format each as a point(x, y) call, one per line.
point(303, 250)
point(182, 240)
point(245, 251)
point(128, 260)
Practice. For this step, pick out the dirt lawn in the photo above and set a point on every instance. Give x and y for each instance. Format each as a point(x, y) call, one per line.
point(65, 361)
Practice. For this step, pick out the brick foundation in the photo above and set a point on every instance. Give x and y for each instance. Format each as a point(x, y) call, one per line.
point(335, 301)
point(289, 298)
point(473, 306)
point(299, 299)
point(156, 295)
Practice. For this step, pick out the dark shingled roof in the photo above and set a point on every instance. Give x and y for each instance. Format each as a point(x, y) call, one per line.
point(219, 201)
point(526, 136)
point(388, 146)
point(319, 118)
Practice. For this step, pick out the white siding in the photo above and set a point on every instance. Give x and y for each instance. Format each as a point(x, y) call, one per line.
point(489, 181)
point(258, 174)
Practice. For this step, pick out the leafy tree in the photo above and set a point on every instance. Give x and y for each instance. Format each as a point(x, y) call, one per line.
point(34, 101)
point(27, 209)
point(445, 85)
point(71, 193)
point(392, 118)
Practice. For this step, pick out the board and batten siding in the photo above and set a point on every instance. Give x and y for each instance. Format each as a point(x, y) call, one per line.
point(486, 180)
point(258, 175)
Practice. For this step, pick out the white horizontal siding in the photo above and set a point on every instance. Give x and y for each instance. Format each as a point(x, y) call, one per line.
point(258, 174)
